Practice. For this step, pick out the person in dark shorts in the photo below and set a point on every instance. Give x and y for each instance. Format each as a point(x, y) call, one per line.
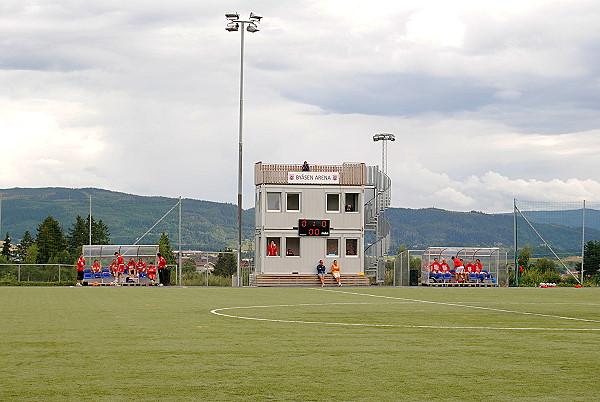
point(80, 268)
point(321, 272)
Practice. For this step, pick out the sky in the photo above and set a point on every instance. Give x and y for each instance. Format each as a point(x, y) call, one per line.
point(488, 100)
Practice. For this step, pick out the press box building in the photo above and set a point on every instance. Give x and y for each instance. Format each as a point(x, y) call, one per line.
point(321, 214)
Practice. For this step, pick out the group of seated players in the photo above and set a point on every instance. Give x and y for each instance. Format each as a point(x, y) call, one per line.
point(461, 273)
point(132, 269)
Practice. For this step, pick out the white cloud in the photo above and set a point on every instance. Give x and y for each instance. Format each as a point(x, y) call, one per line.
point(488, 100)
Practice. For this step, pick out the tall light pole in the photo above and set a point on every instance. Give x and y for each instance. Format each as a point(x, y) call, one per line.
point(233, 25)
point(385, 137)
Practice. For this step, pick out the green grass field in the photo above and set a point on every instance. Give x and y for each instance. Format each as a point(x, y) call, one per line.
point(64, 343)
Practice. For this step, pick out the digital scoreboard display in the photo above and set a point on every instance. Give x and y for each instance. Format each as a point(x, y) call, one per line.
point(313, 227)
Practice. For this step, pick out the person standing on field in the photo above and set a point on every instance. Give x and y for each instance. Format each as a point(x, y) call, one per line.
point(80, 268)
point(162, 263)
point(120, 267)
point(335, 270)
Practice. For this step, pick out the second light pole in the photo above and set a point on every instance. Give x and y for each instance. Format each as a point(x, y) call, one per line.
point(233, 25)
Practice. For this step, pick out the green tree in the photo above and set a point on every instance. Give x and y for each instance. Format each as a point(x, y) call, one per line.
point(188, 266)
point(226, 264)
point(31, 257)
point(100, 232)
point(542, 271)
point(50, 240)
point(591, 258)
point(524, 257)
point(6, 248)
point(22, 248)
point(164, 247)
point(78, 236)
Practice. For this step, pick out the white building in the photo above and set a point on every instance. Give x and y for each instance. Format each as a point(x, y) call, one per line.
point(314, 215)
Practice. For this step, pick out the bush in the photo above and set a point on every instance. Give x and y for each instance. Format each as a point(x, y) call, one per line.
point(532, 277)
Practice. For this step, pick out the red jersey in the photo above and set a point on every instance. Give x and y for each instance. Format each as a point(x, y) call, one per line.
point(120, 263)
point(80, 264)
point(435, 267)
point(271, 250)
point(457, 262)
point(469, 268)
point(141, 266)
point(152, 272)
point(96, 267)
point(478, 267)
point(161, 262)
point(445, 267)
point(113, 266)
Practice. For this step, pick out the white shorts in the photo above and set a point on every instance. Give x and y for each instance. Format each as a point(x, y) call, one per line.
point(460, 270)
point(336, 274)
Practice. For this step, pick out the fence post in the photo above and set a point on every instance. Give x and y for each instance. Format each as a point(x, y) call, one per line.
point(19, 273)
point(58, 273)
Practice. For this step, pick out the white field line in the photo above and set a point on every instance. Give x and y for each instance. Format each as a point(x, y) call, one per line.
point(218, 311)
point(461, 305)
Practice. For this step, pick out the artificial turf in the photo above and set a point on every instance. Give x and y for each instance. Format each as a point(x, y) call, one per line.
point(68, 343)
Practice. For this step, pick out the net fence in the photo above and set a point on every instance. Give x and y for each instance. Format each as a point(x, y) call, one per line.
point(557, 231)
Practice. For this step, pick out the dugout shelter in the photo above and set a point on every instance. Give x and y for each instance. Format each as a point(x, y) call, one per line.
point(105, 254)
point(489, 257)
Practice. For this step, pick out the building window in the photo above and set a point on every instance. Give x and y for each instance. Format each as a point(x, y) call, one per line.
point(333, 203)
point(351, 247)
point(274, 202)
point(273, 247)
point(332, 247)
point(293, 202)
point(351, 204)
point(292, 246)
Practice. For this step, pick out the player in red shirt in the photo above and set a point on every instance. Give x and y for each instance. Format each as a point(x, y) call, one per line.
point(113, 268)
point(478, 267)
point(131, 267)
point(96, 267)
point(444, 266)
point(435, 266)
point(162, 263)
point(80, 268)
point(152, 272)
point(459, 268)
point(120, 267)
point(141, 266)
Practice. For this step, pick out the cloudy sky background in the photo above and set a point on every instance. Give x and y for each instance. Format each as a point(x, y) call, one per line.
point(489, 100)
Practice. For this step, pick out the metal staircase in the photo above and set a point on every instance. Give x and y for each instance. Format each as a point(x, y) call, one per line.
point(378, 195)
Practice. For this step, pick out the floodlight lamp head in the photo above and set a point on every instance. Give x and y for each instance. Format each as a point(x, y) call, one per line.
point(255, 17)
point(232, 16)
point(251, 28)
point(232, 27)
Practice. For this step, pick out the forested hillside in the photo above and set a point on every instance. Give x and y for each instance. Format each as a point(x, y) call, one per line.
point(205, 224)
point(212, 225)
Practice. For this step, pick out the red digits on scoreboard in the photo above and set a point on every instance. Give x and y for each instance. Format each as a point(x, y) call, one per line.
point(303, 224)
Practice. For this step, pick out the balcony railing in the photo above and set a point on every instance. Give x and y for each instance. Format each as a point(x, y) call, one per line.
point(351, 173)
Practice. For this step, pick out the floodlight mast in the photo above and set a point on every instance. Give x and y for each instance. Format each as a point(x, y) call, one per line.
point(233, 25)
point(384, 137)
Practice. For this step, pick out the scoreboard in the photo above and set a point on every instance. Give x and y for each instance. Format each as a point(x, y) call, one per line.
point(313, 227)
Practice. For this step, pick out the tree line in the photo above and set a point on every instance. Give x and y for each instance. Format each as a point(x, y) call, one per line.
point(545, 270)
point(52, 245)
